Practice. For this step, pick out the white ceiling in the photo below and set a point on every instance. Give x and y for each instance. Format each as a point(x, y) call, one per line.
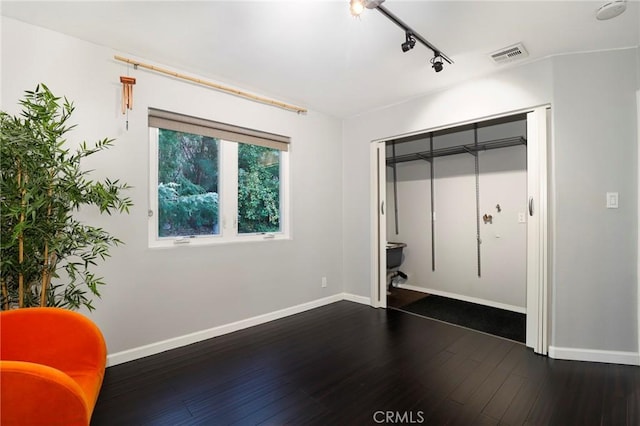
point(314, 54)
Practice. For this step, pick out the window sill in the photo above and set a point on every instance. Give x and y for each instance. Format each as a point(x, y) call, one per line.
point(214, 241)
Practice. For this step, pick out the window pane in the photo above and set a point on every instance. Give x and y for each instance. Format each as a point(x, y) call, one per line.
point(258, 189)
point(187, 184)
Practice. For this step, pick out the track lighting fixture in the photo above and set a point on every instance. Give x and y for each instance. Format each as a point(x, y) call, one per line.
point(358, 6)
point(436, 62)
point(409, 43)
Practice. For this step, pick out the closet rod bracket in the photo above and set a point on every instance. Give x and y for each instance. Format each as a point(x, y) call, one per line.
point(470, 151)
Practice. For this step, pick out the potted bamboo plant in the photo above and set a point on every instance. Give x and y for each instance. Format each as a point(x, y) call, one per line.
point(47, 254)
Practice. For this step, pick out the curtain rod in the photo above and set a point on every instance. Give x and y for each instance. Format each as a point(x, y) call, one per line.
point(216, 86)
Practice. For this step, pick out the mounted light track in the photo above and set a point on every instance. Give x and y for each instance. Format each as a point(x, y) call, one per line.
point(358, 6)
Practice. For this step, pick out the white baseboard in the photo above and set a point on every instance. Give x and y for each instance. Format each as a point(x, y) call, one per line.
point(355, 298)
point(198, 336)
point(479, 301)
point(594, 355)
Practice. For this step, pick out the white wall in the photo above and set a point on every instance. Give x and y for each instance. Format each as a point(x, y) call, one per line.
point(503, 181)
point(156, 294)
point(593, 289)
point(595, 152)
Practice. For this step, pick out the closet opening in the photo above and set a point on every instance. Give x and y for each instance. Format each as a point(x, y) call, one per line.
point(456, 225)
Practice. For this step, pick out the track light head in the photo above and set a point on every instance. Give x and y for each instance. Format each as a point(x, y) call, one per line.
point(436, 62)
point(409, 43)
point(357, 6)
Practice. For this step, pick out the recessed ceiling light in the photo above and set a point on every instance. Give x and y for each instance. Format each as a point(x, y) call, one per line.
point(611, 9)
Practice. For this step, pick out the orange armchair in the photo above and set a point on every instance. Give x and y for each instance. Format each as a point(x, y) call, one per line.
point(52, 363)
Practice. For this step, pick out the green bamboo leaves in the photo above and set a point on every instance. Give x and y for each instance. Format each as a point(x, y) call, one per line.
point(47, 255)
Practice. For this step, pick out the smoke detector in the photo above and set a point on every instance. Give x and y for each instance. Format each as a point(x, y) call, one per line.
point(509, 54)
point(611, 9)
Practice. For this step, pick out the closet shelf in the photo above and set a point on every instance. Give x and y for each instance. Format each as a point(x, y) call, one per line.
point(458, 149)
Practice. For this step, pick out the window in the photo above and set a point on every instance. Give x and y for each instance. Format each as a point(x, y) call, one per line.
point(213, 182)
point(258, 189)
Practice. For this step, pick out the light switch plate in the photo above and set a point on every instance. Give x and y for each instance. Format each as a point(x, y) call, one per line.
point(612, 200)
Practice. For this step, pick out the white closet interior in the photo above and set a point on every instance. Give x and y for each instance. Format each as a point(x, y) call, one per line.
point(458, 199)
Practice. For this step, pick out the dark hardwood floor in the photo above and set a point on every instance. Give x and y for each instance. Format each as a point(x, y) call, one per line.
point(349, 364)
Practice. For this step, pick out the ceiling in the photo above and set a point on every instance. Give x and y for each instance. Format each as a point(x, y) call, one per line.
point(314, 54)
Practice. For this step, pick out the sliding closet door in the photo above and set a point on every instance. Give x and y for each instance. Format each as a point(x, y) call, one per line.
point(379, 225)
point(537, 249)
point(638, 259)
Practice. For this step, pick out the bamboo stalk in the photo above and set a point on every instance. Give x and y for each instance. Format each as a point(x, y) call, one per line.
point(45, 276)
point(47, 282)
point(21, 241)
point(216, 86)
point(46, 273)
point(5, 294)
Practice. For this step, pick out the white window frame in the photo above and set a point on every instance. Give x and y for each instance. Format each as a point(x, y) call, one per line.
point(227, 201)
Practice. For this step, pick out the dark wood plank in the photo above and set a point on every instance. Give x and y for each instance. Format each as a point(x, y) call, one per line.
point(151, 404)
point(473, 382)
point(557, 385)
point(522, 403)
point(614, 403)
point(444, 413)
point(484, 394)
point(633, 408)
point(501, 400)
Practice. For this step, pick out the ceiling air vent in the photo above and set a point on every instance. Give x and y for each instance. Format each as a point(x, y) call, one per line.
point(509, 54)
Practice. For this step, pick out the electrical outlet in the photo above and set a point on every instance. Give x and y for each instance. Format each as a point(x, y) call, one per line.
point(522, 218)
point(324, 281)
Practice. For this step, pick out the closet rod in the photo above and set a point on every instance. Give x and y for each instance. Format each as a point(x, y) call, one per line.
point(458, 149)
point(477, 170)
point(433, 227)
point(215, 86)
